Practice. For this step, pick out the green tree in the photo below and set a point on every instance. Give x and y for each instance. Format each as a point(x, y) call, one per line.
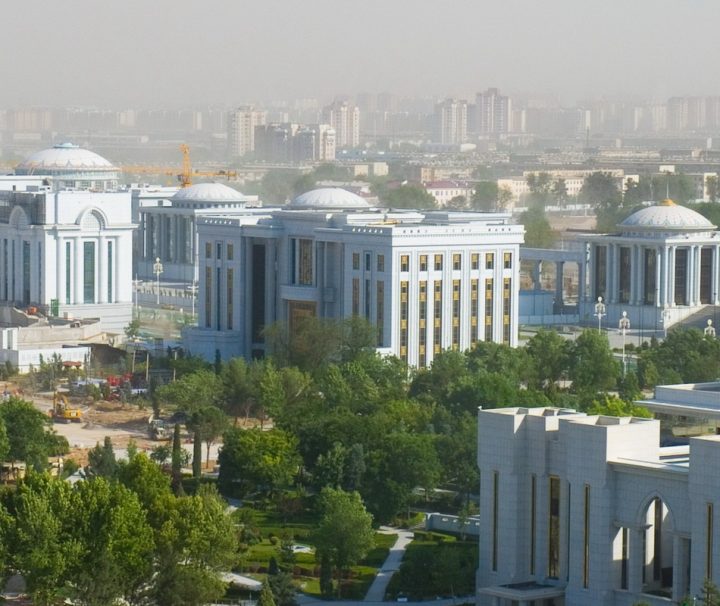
point(538, 232)
point(485, 196)
point(345, 533)
point(540, 186)
point(27, 432)
point(406, 196)
point(160, 454)
point(253, 459)
point(550, 357)
point(266, 596)
point(593, 367)
point(192, 392)
point(685, 356)
point(132, 330)
point(600, 190)
point(612, 406)
point(711, 184)
point(283, 589)
point(177, 461)
point(4, 442)
point(208, 423)
point(101, 459)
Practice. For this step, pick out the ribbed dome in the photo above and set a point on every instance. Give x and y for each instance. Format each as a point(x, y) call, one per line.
point(208, 192)
point(666, 216)
point(63, 157)
point(329, 198)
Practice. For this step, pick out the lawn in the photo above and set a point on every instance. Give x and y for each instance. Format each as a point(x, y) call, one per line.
point(266, 533)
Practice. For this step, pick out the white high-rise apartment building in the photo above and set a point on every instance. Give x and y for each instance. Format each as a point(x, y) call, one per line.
point(493, 112)
point(451, 122)
point(344, 118)
point(241, 129)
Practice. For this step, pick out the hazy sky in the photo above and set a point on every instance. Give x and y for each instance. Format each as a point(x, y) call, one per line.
point(120, 53)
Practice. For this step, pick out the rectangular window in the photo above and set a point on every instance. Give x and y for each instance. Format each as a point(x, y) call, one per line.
point(474, 306)
point(208, 250)
point(229, 299)
point(438, 262)
point(586, 539)
point(208, 297)
point(218, 299)
point(489, 311)
point(475, 261)
point(305, 256)
point(380, 312)
point(456, 315)
point(533, 520)
point(6, 264)
point(368, 261)
point(230, 252)
point(218, 250)
point(356, 297)
point(404, 287)
point(649, 276)
point(554, 529)
point(68, 270)
point(490, 261)
point(437, 317)
point(624, 273)
point(367, 301)
point(26, 272)
point(507, 301)
point(423, 262)
point(600, 271)
point(495, 516)
point(422, 323)
point(624, 559)
point(457, 261)
point(89, 272)
point(356, 261)
point(404, 262)
point(507, 260)
point(381, 262)
point(110, 272)
point(709, 543)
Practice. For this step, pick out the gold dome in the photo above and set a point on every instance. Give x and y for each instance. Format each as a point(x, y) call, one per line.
point(667, 202)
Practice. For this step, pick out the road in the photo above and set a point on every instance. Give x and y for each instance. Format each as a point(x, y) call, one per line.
point(376, 593)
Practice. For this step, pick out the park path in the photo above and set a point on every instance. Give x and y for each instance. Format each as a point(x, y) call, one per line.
point(376, 593)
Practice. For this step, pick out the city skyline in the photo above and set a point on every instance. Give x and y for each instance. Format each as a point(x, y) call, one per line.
point(164, 53)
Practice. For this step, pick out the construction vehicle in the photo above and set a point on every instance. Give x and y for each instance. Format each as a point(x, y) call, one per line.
point(186, 174)
point(158, 429)
point(63, 412)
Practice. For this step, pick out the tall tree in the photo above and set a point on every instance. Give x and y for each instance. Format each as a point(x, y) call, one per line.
point(485, 196)
point(177, 461)
point(101, 459)
point(345, 533)
point(27, 432)
point(208, 423)
point(593, 366)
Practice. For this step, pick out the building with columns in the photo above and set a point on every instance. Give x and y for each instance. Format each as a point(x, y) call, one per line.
point(168, 228)
point(582, 510)
point(662, 266)
point(68, 253)
point(428, 281)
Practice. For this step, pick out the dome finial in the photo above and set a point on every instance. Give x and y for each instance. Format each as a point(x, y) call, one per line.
point(667, 202)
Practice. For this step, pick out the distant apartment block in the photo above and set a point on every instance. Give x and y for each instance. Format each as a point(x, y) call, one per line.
point(446, 190)
point(241, 130)
point(493, 112)
point(290, 142)
point(450, 122)
point(344, 118)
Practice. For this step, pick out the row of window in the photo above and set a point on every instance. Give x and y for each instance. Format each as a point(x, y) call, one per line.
point(456, 261)
point(229, 251)
point(379, 261)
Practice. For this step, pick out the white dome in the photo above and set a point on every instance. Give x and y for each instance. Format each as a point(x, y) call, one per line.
point(666, 216)
point(63, 157)
point(209, 192)
point(329, 198)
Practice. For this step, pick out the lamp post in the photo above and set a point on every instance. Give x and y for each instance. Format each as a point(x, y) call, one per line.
point(193, 288)
point(664, 319)
point(136, 283)
point(624, 326)
point(157, 270)
point(709, 330)
point(599, 312)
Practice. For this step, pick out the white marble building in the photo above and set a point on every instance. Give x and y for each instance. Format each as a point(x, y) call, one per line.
point(427, 280)
point(591, 511)
point(661, 266)
point(67, 252)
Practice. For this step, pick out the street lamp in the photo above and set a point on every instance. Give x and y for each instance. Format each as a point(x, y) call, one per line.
point(136, 283)
point(599, 312)
point(193, 288)
point(157, 270)
point(624, 326)
point(665, 319)
point(709, 330)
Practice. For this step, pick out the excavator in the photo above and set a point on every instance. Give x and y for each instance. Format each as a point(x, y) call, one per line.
point(63, 412)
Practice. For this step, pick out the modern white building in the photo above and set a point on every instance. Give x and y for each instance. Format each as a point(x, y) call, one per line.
point(67, 252)
point(445, 190)
point(493, 112)
point(428, 281)
point(241, 130)
point(167, 229)
point(590, 511)
point(344, 119)
point(450, 122)
point(662, 266)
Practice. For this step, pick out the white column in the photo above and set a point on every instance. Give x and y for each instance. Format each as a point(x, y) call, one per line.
point(698, 267)
point(77, 282)
point(680, 581)
point(671, 276)
point(633, 275)
point(661, 275)
point(636, 538)
point(102, 271)
point(689, 275)
point(716, 276)
point(59, 270)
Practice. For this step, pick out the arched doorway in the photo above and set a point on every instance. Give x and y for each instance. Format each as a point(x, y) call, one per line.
point(657, 573)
